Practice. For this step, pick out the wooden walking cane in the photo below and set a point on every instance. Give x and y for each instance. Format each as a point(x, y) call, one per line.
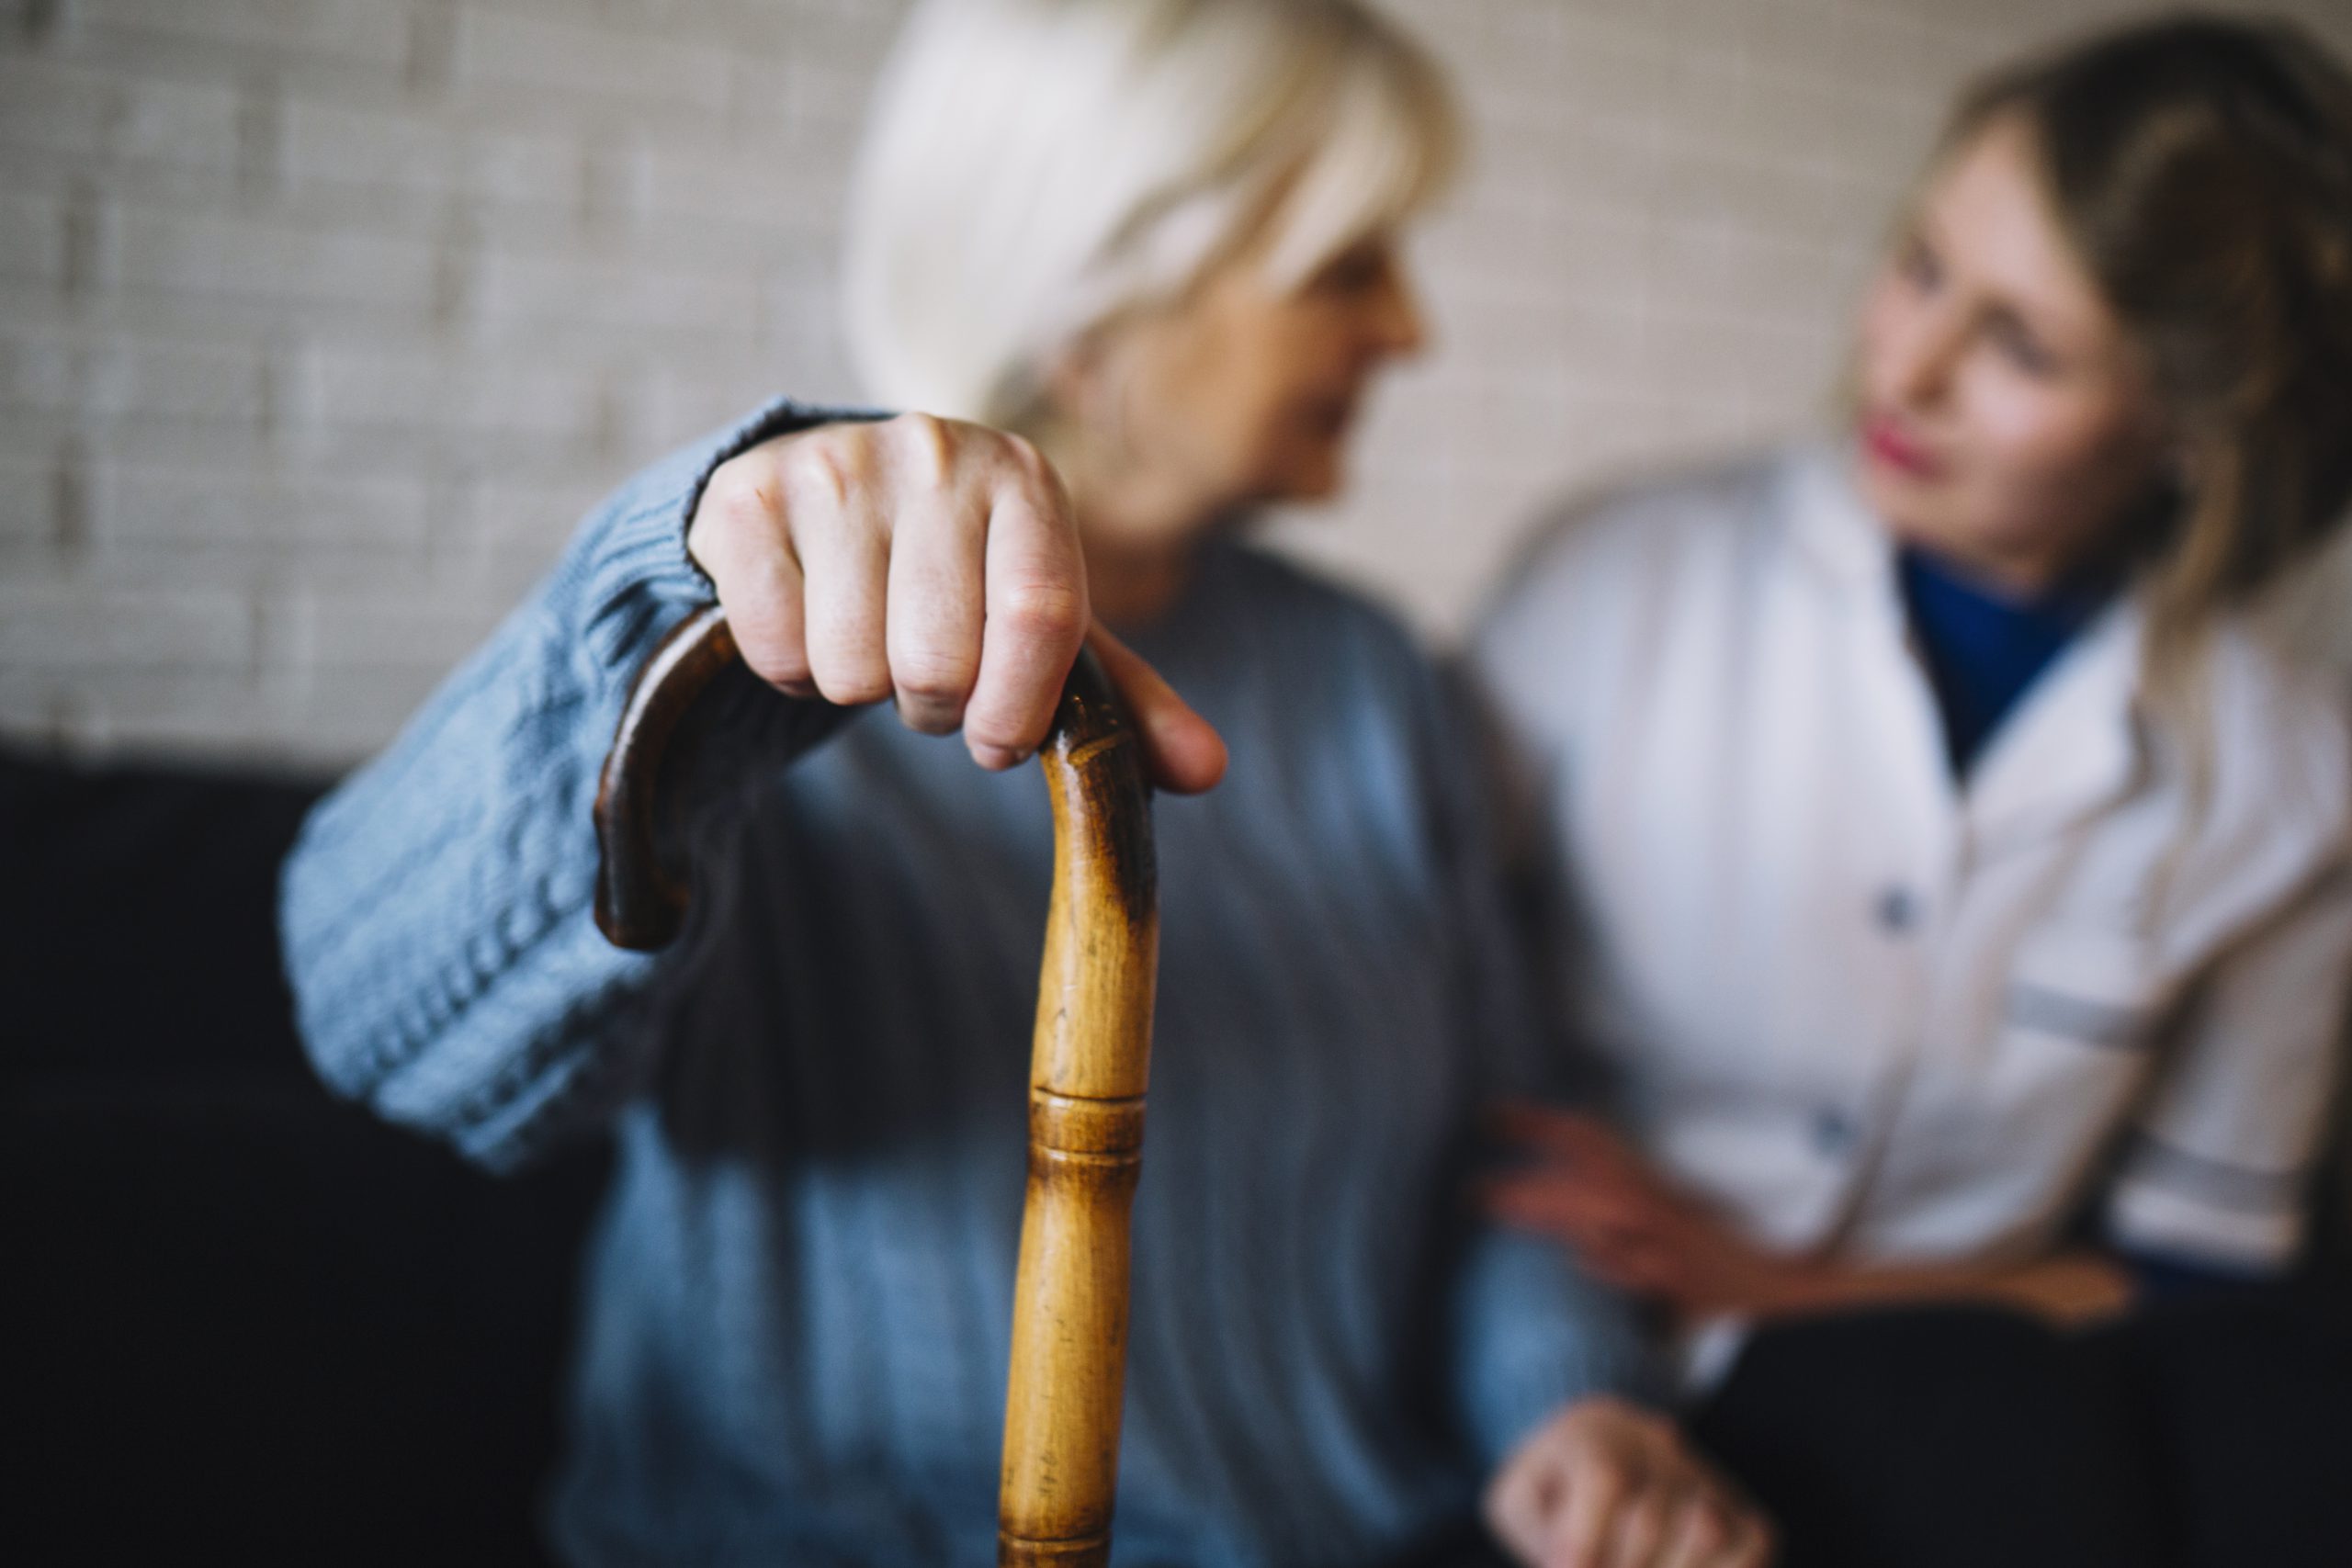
point(1090, 1062)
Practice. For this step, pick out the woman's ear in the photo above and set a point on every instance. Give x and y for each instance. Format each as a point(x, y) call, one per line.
point(1089, 391)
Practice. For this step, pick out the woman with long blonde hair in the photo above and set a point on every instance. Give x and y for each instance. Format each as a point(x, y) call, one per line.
point(1962, 868)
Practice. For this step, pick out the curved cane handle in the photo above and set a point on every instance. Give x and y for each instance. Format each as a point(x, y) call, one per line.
point(1090, 1062)
point(639, 906)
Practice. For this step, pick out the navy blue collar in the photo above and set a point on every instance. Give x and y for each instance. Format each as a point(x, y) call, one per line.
point(1984, 649)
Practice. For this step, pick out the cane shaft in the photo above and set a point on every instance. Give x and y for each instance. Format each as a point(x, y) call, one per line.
point(1090, 1064)
point(1091, 1061)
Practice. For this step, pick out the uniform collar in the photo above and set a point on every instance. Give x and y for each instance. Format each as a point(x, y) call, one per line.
point(1839, 537)
point(2073, 746)
point(2070, 747)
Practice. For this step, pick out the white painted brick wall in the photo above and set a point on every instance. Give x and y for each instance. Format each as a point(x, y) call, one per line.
point(321, 320)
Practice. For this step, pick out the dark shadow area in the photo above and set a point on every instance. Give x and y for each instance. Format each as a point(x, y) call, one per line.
point(245, 1318)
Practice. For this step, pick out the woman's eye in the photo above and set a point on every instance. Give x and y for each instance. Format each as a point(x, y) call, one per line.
point(1919, 266)
point(2016, 344)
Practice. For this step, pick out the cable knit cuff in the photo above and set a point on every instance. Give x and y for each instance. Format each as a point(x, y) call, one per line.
point(640, 573)
point(1539, 1336)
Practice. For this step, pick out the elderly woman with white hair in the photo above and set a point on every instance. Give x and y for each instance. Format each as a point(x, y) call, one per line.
point(1157, 239)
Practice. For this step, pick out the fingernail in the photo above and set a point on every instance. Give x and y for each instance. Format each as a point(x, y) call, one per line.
point(996, 759)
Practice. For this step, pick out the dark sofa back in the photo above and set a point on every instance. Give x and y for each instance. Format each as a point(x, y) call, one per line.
point(245, 1318)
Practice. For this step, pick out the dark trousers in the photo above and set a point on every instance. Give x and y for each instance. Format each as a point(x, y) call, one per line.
point(2196, 1436)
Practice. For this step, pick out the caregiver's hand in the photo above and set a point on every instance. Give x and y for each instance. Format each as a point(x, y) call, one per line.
point(932, 561)
point(1604, 1485)
point(1631, 1227)
point(1582, 1183)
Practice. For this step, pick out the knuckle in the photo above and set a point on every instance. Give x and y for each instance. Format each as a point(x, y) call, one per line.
point(1027, 457)
point(1608, 1474)
point(996, 725)
point(818, 472)
point(1052, 497)
point(928, 441)
point(771, 652)
point(847, 664)
point(981, 732)
point(738, 501)
point(852, 687)
point(935, 674)
point(1046, 612)
point(778, 668)
point(925, 718)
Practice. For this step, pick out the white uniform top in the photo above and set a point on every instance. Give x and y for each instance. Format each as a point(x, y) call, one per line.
point(1869, 1010)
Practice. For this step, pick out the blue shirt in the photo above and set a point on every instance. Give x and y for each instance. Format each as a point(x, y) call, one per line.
point(1982, 649)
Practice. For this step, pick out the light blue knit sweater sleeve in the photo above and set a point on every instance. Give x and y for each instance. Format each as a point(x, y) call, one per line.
point(1538, 1335)
point(436, 908)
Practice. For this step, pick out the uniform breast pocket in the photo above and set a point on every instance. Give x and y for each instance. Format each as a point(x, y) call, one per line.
point(2074, 1042)
point(2086, 987)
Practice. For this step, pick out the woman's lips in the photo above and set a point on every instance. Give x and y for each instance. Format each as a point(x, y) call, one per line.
point(1892, 446)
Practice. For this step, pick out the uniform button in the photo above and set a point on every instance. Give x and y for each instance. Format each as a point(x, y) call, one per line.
point(1833, 1131)
point(1896, 910)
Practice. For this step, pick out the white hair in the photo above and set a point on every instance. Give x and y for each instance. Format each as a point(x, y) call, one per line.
point(1034, 168)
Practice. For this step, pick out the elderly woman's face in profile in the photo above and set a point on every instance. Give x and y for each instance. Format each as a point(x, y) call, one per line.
point(2006, 418)
point(1245, 392)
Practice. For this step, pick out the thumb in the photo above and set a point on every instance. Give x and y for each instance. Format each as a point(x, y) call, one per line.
point(1186, 752)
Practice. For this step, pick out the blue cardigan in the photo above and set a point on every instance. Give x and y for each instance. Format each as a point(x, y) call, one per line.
point(799, 1299)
